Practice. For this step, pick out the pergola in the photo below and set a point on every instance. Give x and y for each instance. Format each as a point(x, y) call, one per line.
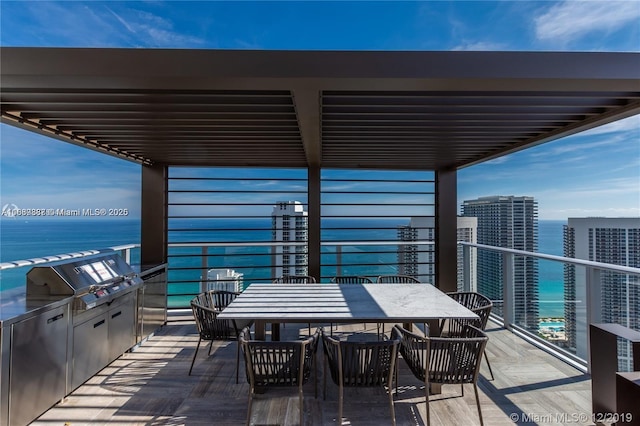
point(438, 111)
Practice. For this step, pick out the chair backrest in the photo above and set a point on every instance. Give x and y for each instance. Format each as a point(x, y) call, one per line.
point(449, 360)
point(220, 299)
point(478, 304)
point(209, 326)
point(360, 364)
point(275, 363)
point(295, 279)
point(396, 279)
point(351, 279)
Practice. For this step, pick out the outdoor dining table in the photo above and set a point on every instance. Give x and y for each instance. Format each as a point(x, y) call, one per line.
point(342, 303)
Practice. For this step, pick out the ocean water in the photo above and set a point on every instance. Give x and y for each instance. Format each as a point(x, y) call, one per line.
point(26, 239)
point(20, 239)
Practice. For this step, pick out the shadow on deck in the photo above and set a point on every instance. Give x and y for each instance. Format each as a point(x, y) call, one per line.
point(151, 386)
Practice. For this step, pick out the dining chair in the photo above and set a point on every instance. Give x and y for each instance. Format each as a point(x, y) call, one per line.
point(350, 279)
point(296, 279)
point(396, 279)
point(279, 363)
point(477, 303)
point(360, 364)
point(206, 307)
point(443, 360)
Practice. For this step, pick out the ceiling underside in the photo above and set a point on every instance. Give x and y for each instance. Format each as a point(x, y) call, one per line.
point(392, 110)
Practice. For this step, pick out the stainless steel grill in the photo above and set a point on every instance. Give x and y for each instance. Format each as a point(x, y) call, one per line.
point(102, 310)
point(92, 281)
point(76, 317)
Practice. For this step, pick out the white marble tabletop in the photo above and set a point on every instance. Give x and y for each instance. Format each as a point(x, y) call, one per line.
point(406, 303)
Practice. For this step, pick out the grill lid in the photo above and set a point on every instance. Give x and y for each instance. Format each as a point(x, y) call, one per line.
point(93, 279)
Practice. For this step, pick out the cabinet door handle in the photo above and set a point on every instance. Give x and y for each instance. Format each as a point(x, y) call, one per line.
point(56, 318)
point(117, 314)
point(98, 324)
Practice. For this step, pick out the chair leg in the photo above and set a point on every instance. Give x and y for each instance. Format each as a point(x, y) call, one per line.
point(475, 388)
point(210, 347)
point(488, 364)
point(194, 355)
point(462, 388)
point(301, 398)
point(426, 394)
point(340, 401)
point(393, 411)
point(237, 360)
point(249, 409)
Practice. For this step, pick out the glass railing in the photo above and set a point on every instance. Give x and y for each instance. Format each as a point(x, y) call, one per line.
point(13, 273)
point(553, 312)
point(556, 312)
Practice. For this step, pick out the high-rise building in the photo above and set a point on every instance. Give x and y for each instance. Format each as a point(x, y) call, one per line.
point(223, 279)
point(289, 224)
point(419, 260)
point(509, 222)
point(607, 240)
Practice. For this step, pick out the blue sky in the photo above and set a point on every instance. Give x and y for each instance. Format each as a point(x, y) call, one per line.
point(592, 174)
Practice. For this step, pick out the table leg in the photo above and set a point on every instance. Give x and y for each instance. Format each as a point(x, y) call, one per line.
point(275, 331)
point(260, 329)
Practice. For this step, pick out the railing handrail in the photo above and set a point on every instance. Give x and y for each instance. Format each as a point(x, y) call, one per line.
point(64, 256)
point(302, 243)
point(581, 262)
point(573, 261)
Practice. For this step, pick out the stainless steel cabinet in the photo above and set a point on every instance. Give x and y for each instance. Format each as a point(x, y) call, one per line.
point(38, 364)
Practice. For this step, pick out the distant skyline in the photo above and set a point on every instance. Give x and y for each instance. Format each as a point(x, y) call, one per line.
point(595, 173)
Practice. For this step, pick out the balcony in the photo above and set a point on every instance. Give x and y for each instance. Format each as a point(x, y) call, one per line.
point(534, 379)
point(151, 385)
point(317, 112)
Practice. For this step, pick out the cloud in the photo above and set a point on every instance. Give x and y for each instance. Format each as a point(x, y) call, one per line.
point(570, 20)
point(109, 24)
point(481, 46)
point(625, 125)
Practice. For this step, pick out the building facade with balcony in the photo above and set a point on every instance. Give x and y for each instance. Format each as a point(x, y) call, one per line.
point(289, 223)
point(224, 279)
point(608, 240)
point(509, 222)
point(419, 260)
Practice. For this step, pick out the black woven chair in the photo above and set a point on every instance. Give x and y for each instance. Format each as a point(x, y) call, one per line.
point(360, 364)
point(296, 279)
point(442, 360)
point(394, 279)
point(397, 279)
point(206, 307)
point(478, 304)
point(351, 279)
point(275, 363)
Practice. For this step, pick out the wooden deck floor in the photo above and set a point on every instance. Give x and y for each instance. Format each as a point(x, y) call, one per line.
point(151, 386)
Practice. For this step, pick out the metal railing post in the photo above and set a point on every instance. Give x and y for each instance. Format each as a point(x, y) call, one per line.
point(126, 254)
point(204, 278)
point(339, 260)
point(466, 268)
point(508, 299)
point(593, 314)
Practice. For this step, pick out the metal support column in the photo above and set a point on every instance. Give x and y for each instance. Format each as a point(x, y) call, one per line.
point(153, 232)
point(313, 194)
point(446, 249)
